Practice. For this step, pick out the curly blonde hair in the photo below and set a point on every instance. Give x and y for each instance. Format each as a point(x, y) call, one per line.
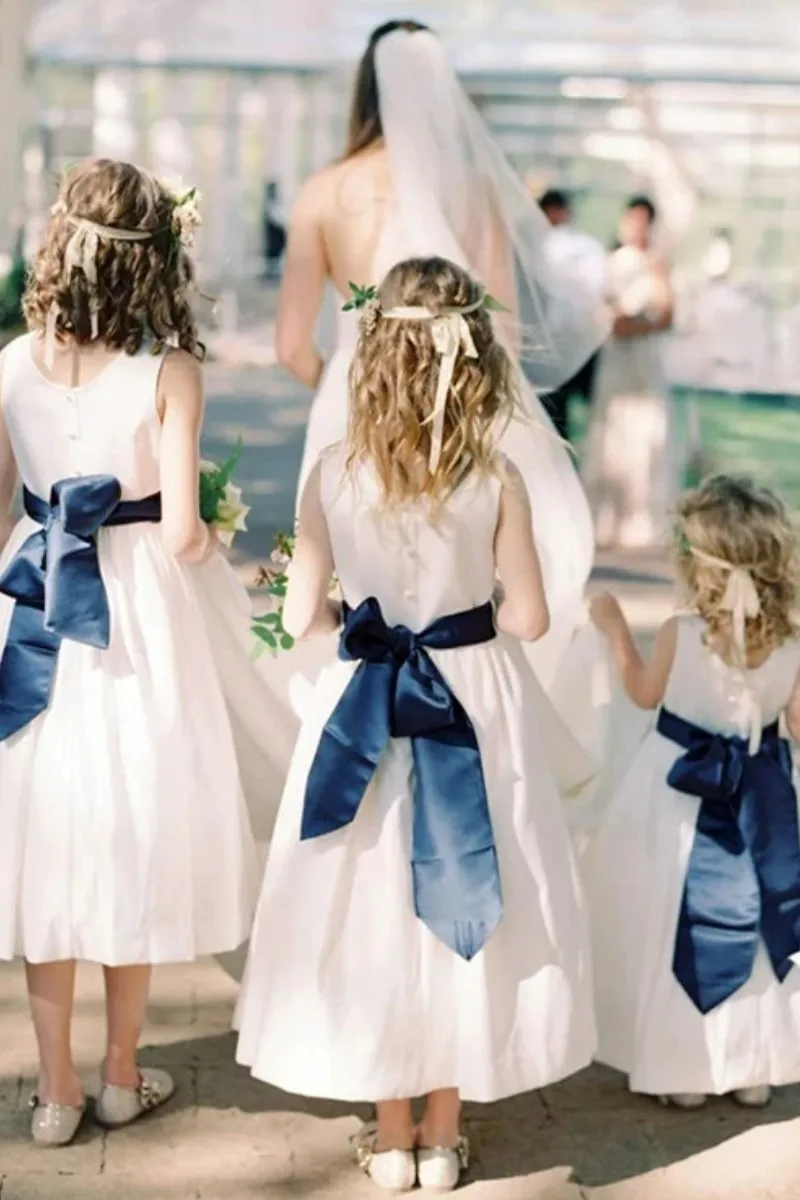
point(393, 387)
point(142, 287)
point(733, 519)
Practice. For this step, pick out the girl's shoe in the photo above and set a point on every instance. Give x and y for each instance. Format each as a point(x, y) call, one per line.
point(686, 1100)
point(439, 1167)
point(393, 1170)
point(753, 1097)
point(117, 1106)
point(54, 1124)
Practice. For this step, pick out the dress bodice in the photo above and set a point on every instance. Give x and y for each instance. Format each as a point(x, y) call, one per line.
point(706, 691)
point(419, 568)
point(108, 426)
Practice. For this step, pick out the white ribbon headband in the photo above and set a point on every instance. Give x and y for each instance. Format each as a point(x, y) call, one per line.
point(81, 251)
point(450, 333)
point(741, 600)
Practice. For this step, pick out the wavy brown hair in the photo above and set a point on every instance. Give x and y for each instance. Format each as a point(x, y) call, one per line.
point(393, 387)
point(142, 287)
point(735, 520)
point(365, 126)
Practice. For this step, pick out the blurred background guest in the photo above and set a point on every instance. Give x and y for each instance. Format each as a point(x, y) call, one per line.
point(570, 250)
point(274, 231)
point(631, 470)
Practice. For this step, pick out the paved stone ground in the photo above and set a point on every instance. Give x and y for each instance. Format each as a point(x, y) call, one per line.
point(225, 1137)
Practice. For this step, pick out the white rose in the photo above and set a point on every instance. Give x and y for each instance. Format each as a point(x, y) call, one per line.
point(231, 515)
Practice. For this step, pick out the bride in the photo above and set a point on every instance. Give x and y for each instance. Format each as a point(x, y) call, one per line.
point(422, 176)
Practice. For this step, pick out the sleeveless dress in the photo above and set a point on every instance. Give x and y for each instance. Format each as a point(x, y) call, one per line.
point(124, 834)
point(635, 872)
point(347, 994)
point(564, 541)
point(563, 530)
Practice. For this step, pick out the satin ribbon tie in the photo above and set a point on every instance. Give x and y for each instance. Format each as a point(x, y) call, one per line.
point(743, 876)
point(55, 580)
point(397, 691)
point(451, 334)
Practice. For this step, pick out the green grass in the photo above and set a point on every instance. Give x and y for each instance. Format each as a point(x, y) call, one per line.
point(740, 435)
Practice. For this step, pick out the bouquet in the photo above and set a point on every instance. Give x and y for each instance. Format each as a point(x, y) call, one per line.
point(221, 503)
point(631, 281)
point(268, 628)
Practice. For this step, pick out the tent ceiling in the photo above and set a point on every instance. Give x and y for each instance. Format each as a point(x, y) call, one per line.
point(673, 39)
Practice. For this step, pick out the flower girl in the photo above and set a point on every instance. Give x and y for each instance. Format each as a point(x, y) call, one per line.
point(124, 838)
point(693, 879)
point(420, 930)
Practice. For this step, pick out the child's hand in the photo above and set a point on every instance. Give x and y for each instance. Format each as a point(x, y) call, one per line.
point(606, 613)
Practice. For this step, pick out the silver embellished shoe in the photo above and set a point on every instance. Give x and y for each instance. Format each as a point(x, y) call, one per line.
point(392, 1170)
point(439, 1168)
point(117, 1106)
point(54, 1125)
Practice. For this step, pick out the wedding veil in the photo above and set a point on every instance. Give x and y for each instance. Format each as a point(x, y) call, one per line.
point(457, 196)
point(454, 194)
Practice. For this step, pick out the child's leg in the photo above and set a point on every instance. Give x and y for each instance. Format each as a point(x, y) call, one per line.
point(126, 1001)
point(395, 1126)
point(440, 1122)
point(51, 989)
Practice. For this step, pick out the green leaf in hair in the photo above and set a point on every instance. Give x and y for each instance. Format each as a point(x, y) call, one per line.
point(494, 305)
point(361, 296)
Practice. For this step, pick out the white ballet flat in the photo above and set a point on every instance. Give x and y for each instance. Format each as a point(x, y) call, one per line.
point(687, 1100)
point(753, 1097)
point(117, 1106)
point(392, 1170)
point(54, 1125)
point(439, 1167)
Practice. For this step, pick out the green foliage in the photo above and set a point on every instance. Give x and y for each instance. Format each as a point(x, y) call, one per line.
point(361, 296)
point(268, 628)
point(12, 289)
point(213, 484)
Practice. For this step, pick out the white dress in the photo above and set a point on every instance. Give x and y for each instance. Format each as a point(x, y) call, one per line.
point(631, 465)
point(635, 872)
point(346, 993)
point(124, 834)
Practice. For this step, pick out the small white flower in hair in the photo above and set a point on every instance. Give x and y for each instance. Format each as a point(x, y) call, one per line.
point(186, 217)
point(370, 315)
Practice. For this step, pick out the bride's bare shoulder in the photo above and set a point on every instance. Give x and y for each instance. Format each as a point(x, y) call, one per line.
point(315, 193)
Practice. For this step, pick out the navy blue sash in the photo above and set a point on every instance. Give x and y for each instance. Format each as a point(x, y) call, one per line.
point(56, 582)
point(743, 878)
point(397, 691)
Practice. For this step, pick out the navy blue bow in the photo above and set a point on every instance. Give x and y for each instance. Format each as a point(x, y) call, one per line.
point(743, 878)
point(397, 691)
point(56, 582)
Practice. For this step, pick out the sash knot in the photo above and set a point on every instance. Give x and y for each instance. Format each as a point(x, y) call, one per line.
point(397, 691)
point(743, 877)
point(55, 580)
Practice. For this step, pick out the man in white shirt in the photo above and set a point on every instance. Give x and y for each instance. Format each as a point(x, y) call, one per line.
point(572, 253)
